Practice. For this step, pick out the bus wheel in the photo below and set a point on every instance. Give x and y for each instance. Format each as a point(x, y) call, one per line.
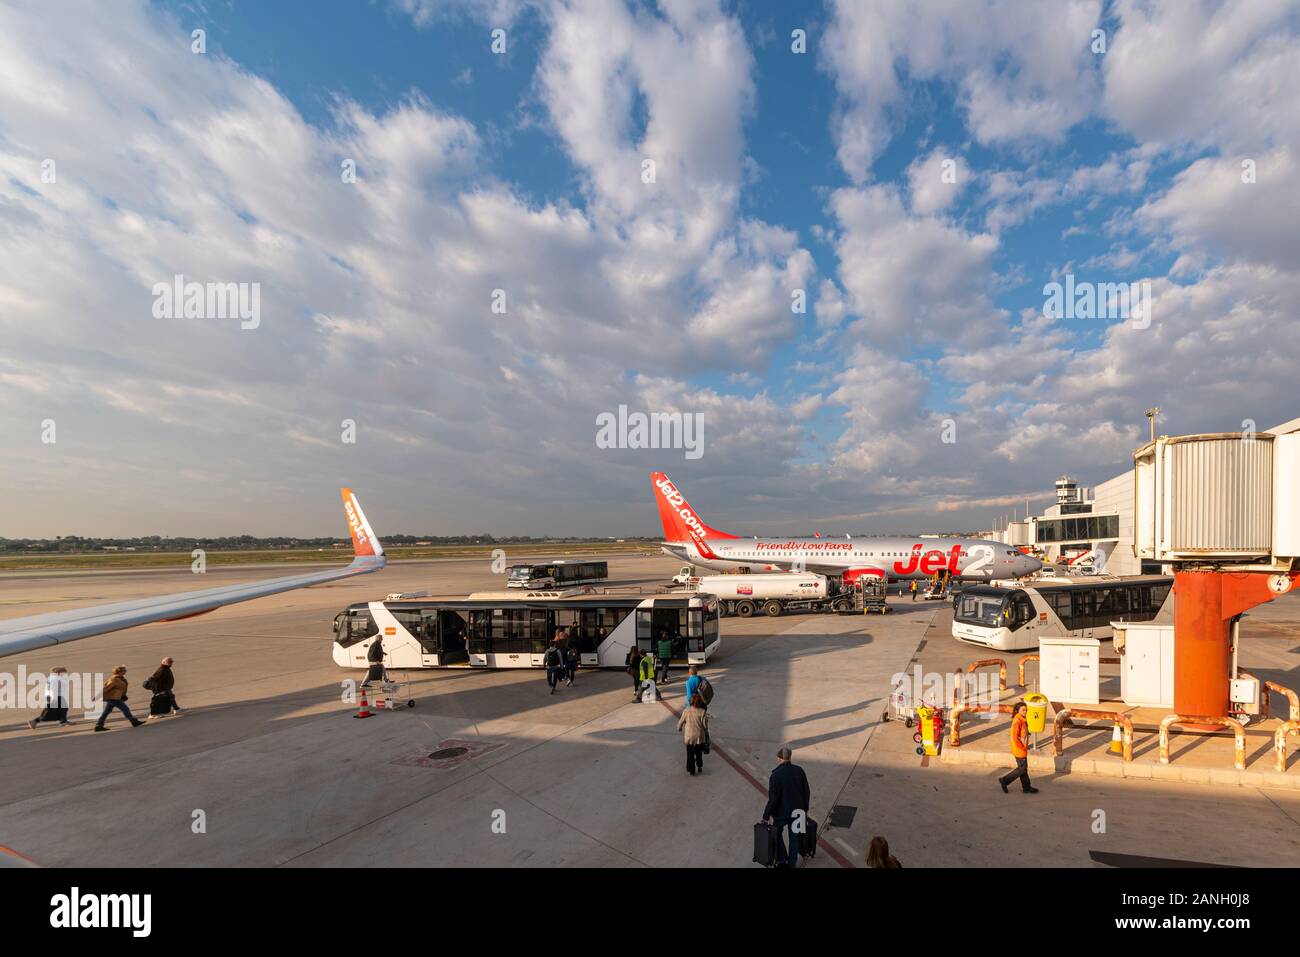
point(411, 703)
point(772, 609)
point(745, 609)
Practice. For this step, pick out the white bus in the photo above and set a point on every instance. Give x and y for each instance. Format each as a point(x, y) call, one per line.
point(1015, 617)
point(557, 574)
point(513, 630)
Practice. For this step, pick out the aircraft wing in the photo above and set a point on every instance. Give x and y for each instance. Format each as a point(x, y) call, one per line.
point(40, 631)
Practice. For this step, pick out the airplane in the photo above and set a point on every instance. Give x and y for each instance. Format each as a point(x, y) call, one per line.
point(41, 631)
point(687, 537)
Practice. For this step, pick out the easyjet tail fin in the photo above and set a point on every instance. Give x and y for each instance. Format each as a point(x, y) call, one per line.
point(681, 522)
point(364, 541)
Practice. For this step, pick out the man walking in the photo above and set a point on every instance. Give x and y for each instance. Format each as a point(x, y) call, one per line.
point(913, 589)
point(115, 697)
point(553, 659)
point(1019, 750)
point(788, 797)
point(663, 657)
point(571, 660)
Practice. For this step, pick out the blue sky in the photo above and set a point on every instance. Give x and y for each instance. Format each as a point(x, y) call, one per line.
point(777, 172)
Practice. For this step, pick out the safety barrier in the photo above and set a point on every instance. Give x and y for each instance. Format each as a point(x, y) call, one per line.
point(989, 663)
point(1238, 732)
point(961, 709)
point(1291, 697)
point(1279, 744)
point(1063, 721)
point(1020, 668)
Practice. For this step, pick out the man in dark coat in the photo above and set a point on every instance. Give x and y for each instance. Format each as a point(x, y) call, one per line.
point(375, 658)
point(787, 793)
point(161, 682)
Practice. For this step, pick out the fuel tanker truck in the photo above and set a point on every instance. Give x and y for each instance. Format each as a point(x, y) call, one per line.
point(774, 593)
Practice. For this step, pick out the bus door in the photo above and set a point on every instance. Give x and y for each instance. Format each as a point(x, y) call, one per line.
point(539, 632)
point(668, 615)
point(452, 635)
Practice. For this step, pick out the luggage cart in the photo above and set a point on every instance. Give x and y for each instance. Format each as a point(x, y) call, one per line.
point(901, 707)
point(393, 693)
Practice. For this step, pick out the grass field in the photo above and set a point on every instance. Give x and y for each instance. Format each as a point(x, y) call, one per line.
point(99, 561)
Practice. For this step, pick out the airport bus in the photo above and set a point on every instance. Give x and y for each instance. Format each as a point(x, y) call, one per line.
point(1014, 617)
point(513, 630)
point(558, 574)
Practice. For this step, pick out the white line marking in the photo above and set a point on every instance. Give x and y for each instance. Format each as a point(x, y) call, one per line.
point(852, 852)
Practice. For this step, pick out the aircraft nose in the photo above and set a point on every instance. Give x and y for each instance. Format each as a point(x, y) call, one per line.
point(1030, 565)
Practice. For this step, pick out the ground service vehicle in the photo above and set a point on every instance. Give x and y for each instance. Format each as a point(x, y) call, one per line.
point(557, 574)
point(1016, 617)
point(775, 593)
point(514, 629)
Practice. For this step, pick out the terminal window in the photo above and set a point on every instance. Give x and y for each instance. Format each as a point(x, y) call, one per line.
point(1082, 528)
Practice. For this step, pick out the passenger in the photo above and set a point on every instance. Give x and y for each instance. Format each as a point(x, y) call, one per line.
point(1019, 750)
point(695, 720)
point(161, 683)
point(56, 698)
point(571, 660)
point(633, 663)
point(375, 657)
point(554, 661)
point(692, 682)
point(787, 793)
point(663, 656)
point(878, 854)
point(115, 697)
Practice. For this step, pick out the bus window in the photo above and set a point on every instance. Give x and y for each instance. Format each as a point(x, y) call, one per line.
point(356, 625)
point(539, 630)
point(1022, 611)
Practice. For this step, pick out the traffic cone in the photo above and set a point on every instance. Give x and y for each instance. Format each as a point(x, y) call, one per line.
point(1116, 742)
point(364, 710)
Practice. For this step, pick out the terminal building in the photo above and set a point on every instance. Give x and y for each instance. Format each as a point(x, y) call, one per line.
point(1096, 526)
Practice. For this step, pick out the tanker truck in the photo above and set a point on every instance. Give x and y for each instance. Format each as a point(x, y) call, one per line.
point(774, 593)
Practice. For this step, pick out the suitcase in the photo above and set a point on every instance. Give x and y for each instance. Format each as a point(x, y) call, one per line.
point(765, 838)
point(808, 839)
point(160, 704)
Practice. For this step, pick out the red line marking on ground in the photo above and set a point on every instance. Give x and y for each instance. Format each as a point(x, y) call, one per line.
point(836, 856)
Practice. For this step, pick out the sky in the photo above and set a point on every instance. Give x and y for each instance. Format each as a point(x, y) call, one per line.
point(824, 232)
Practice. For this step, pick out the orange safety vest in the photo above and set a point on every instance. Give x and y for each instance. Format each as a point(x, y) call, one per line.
point(1019, 737)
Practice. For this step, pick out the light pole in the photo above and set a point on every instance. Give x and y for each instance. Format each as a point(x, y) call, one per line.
point(1151, 414)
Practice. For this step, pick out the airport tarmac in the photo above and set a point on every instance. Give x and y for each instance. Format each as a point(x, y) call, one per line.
point(270, 761)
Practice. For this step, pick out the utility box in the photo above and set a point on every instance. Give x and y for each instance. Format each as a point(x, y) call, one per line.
point(1146, 675)
point(1070, 669)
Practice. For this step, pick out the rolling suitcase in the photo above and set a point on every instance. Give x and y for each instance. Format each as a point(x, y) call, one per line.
point(808, 839)
point(765, 838)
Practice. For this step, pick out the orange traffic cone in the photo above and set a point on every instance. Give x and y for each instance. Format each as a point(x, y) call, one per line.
point(364, 711)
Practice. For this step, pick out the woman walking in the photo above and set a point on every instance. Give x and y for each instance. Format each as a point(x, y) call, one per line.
point(56, 698)
point(694, 721)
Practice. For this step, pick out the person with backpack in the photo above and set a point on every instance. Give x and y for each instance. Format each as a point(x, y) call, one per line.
point(553, 659)
point(115, 697)
point(161, 683)
point(788, 797)
point(56, 698)
point(694, 721)
point(571, 661)
point(633, 662)
point(698, 683)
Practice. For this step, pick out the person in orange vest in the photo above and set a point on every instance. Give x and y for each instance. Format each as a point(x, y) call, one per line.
point(1019, 750)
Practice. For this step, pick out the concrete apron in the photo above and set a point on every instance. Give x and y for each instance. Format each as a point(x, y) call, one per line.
point(610, 791)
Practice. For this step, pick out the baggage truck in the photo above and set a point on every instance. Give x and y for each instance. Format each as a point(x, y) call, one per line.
point(774, 593)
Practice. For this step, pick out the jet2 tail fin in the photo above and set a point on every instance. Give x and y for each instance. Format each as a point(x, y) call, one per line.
point(681, 522)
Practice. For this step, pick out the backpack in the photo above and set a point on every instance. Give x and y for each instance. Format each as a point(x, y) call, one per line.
point(705, 690)
point(552, 657)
